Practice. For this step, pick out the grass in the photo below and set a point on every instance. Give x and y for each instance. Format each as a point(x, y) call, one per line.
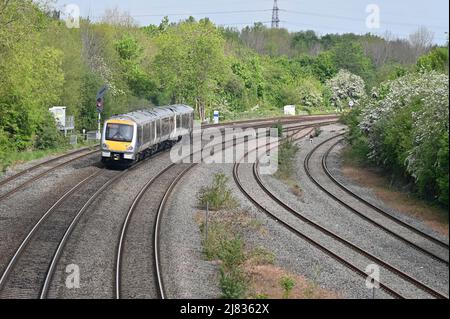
point(393, 195)
point(286, 157)
point(287, 284)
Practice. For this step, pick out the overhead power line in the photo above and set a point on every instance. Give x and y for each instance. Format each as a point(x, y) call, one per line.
point(315, 14)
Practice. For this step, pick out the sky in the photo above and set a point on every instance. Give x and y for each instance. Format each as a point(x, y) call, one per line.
point(399, 17)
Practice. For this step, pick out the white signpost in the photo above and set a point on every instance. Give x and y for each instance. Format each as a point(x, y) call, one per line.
point(289, 110)
point(216, 117)
point(63, 122)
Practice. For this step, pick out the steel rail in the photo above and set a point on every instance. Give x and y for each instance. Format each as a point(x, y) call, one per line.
point(374, 207)
point(343, 241)
point(357, 212)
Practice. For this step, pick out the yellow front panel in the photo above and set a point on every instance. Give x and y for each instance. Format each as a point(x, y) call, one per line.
point(117, 146)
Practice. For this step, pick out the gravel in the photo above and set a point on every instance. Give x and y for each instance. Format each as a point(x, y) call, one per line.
point(331, 215)
point(20, 211)
point(334, 163)
point(93, 243)
point(371, 238)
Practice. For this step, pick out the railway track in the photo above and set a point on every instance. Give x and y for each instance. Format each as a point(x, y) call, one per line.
point(35, 167)
point(273, 120)
point(28, 273)
point(301, 234)
point(32, 179)
point(13, 190)
point(374, 207)
point(138, 270)
point(371, 220)
point(333, 236)
point(128, 282)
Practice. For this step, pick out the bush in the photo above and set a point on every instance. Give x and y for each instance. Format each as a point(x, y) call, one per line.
point(218, 195)
point(406, 128)
point(233, 284)
point(232, 279)
point(286, 156)
point(47, 134)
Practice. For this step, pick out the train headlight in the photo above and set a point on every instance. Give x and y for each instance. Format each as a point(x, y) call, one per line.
point(130, 148)
point(105, 146)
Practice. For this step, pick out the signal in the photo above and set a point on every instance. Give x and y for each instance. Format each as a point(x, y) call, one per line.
point(100, 103)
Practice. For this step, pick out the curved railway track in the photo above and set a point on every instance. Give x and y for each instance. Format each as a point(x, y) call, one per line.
point(33, 168)
point(160, 187)
point(22, 185)
point(343, 241)
point(28, 273)
point(30, 260)
point(372, 206)
point(303, 235)
point(121, 291)
point(358, 212)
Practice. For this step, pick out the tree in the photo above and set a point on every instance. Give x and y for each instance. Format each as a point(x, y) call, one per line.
point(190, 63)
point(435, 60)
point(407, 130)
point(350, 56)
point(421, 41)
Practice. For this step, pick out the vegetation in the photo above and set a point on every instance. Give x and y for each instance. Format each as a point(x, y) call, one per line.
point(287, 283)
point(241, 73)
point(286, 156)
point(403, 127)
point(218, 195)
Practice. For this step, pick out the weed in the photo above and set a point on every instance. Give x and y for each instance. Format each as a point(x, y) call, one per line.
point(287, 283)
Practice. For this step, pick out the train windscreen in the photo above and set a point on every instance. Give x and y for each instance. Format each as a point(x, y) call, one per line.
point(119, 132)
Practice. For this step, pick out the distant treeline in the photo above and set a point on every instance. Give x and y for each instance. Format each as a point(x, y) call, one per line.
point(256, 70)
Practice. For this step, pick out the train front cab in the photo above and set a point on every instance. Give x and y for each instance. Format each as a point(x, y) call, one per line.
point(119, 141)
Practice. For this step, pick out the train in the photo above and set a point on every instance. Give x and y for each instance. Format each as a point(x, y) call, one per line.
point(130, 137)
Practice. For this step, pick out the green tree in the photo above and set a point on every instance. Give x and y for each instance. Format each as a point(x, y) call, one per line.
point(190, 63)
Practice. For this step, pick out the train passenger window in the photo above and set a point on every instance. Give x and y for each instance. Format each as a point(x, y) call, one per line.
point(139, 136)
point(146, 132)
point(166, 126)
point(152, 131)
point(158, 128)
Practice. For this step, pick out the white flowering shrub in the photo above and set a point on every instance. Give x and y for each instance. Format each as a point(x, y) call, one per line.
point(346, 87)
point(406, 124)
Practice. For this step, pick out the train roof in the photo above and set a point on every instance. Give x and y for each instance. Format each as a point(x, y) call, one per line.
point(159, 112)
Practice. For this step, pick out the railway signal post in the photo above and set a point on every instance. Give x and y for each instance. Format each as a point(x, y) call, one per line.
point(100, 104)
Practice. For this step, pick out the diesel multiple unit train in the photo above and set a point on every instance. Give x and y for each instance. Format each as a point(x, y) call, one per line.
point(127, 138)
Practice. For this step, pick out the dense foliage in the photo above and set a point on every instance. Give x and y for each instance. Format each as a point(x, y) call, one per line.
point(255, 71)
point(404, 127)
